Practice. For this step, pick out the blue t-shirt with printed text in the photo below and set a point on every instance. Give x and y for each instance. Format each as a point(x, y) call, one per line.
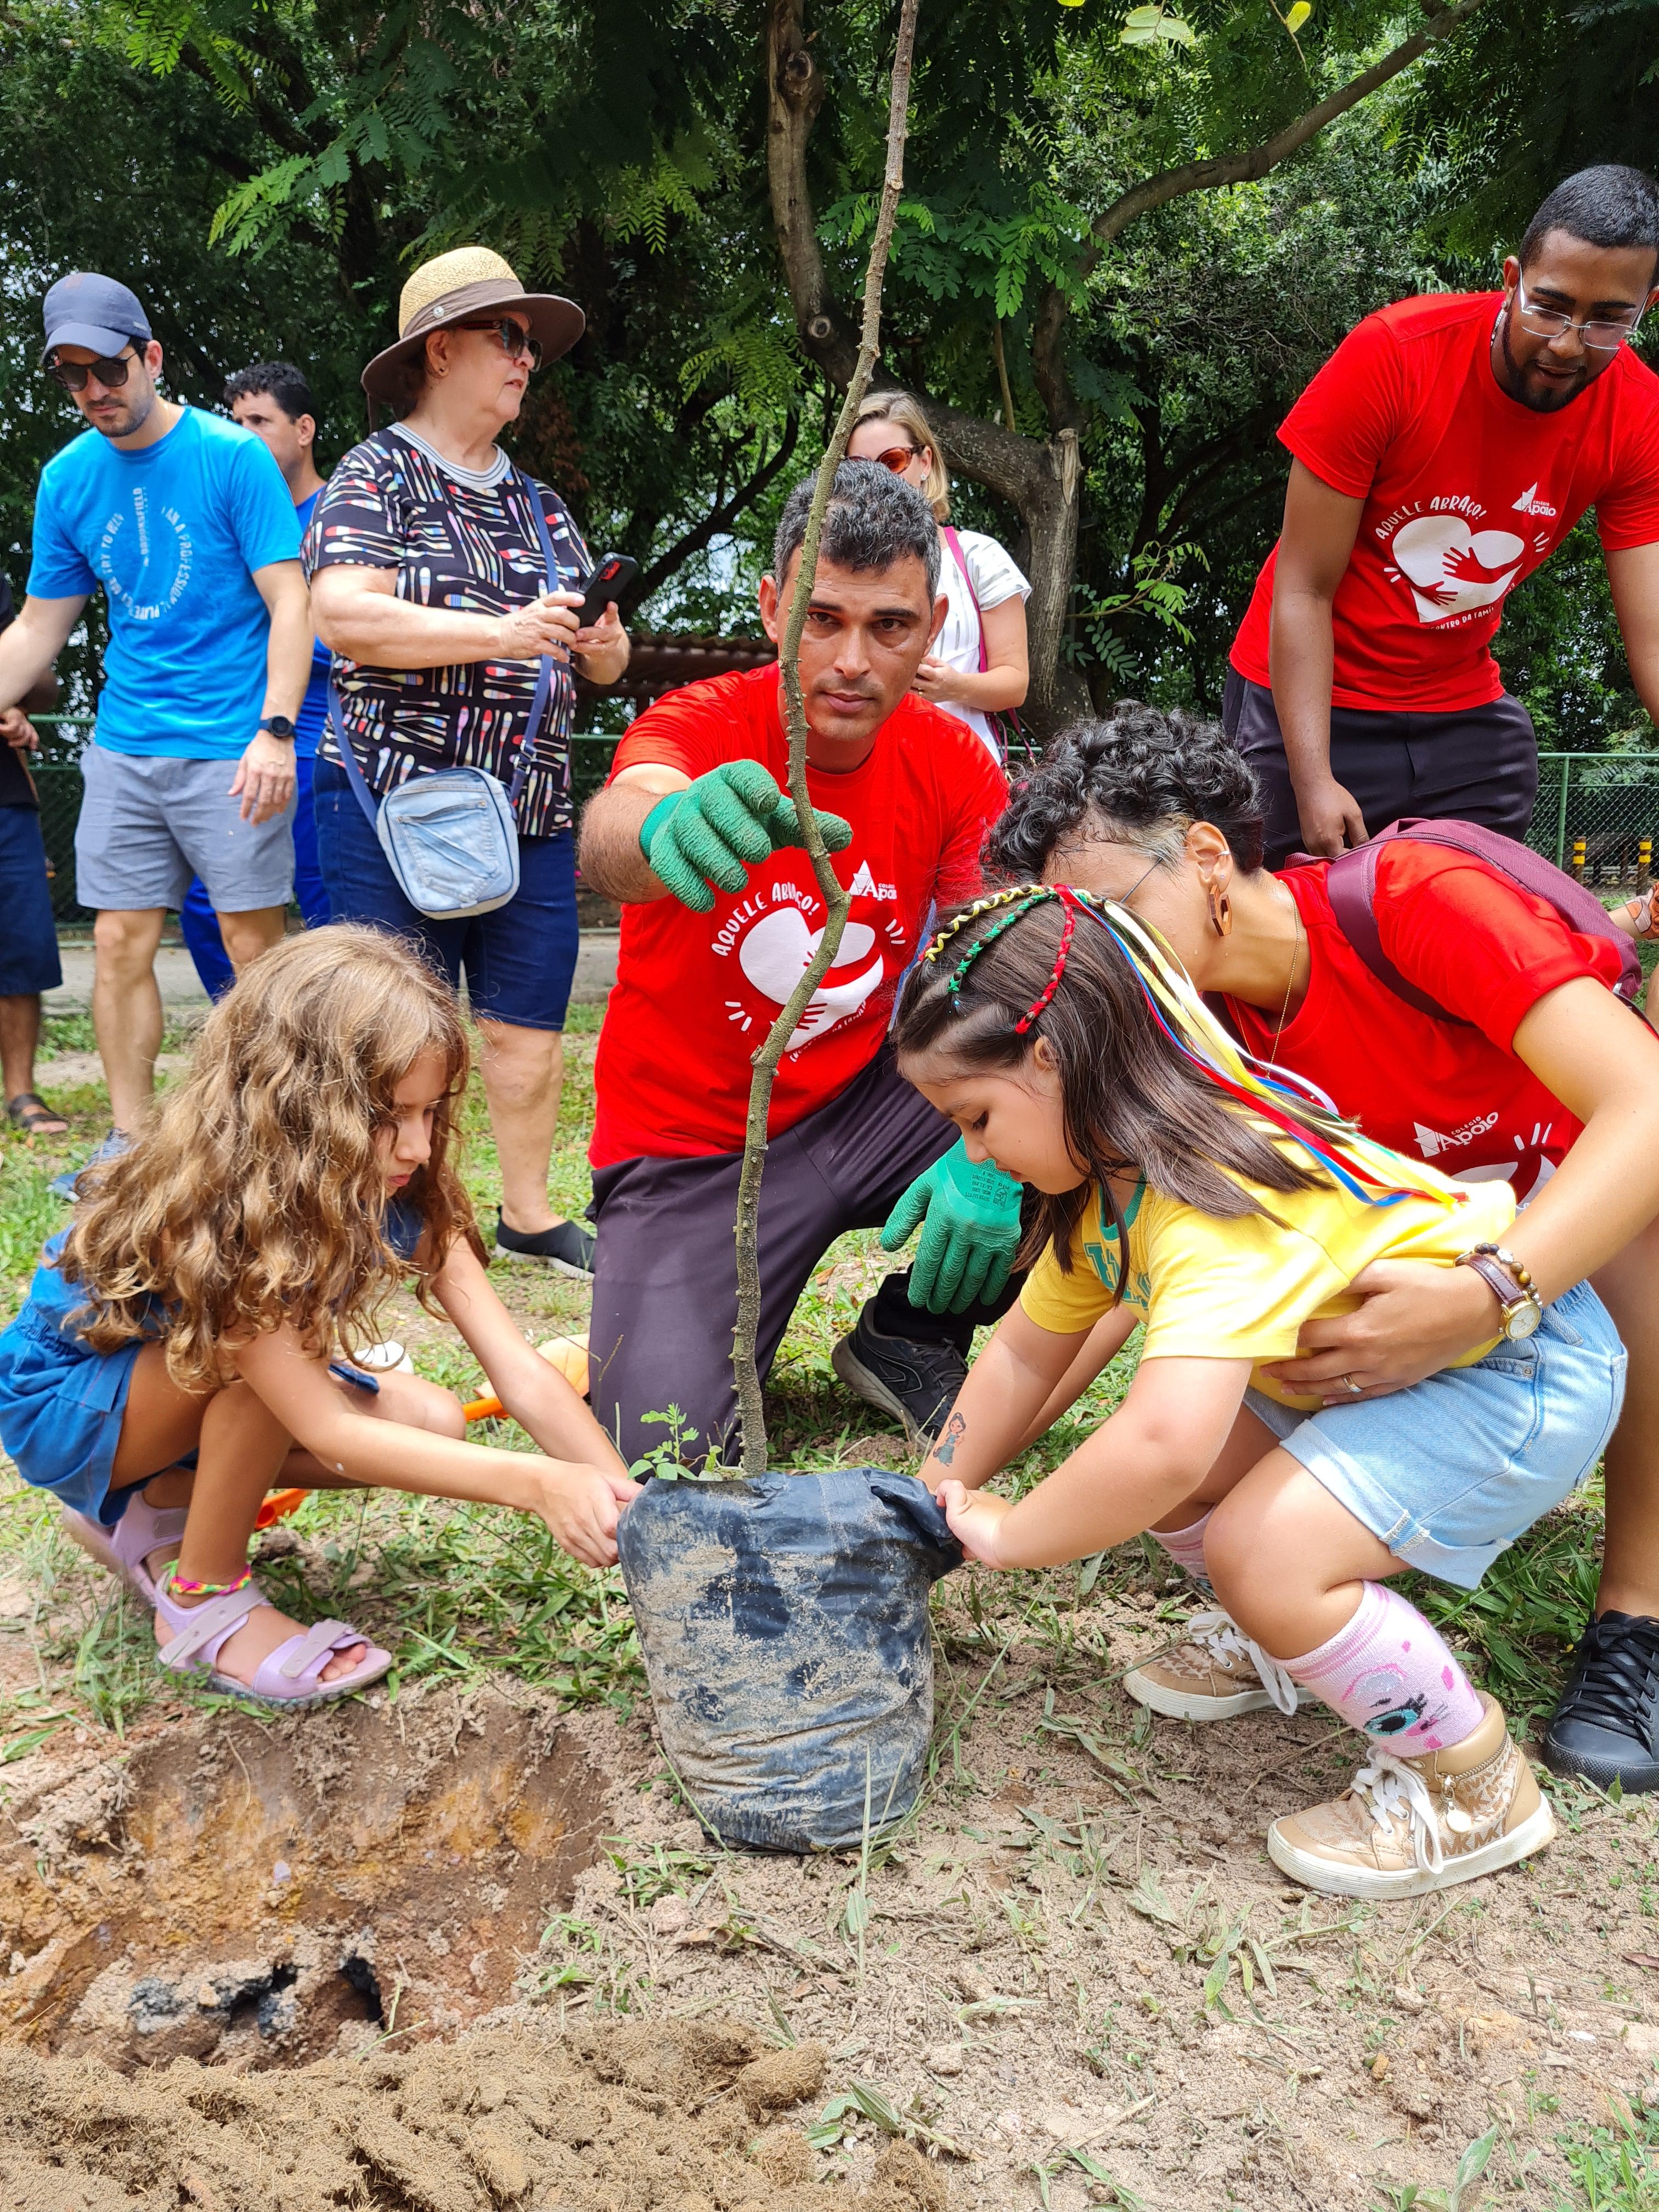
point(309, 722)
point(173, 533)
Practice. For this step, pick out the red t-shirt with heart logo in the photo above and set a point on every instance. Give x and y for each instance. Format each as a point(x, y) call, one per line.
point(696, 992)
point(1465, 492)
point(1450, 1090)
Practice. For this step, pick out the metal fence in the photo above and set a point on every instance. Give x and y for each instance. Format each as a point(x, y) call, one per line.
point(59, 786)
point(1597, 813)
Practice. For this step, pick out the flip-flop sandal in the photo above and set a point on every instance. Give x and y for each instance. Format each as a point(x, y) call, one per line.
point(289, 1677)
point(142, 1529)
point(30, 1113)
point(1643, 921)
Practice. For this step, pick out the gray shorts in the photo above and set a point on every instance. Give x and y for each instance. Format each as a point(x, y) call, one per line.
point(148, 824)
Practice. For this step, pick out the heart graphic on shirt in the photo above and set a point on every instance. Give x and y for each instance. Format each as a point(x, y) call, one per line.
point(1453, 569)
point(773, 956)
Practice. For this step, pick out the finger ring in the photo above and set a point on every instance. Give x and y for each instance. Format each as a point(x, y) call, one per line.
point(1354, 1390)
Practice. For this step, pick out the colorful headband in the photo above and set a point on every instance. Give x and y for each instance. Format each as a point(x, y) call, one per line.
point(1365, 1170)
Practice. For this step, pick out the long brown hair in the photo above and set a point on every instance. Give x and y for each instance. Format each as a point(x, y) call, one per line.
point(252, 1198)
point(1135, 1104)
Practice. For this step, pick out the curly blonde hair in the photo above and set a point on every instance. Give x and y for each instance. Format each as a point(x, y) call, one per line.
point(253, 1198)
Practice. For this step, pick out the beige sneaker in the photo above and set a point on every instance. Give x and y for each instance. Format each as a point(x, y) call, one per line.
point(1407, 1826)
point(1216, 1673)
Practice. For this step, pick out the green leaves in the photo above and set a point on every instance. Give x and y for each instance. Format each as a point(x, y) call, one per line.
point(1152, 27)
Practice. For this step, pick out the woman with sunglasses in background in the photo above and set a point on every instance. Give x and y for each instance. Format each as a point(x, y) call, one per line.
point(429, 574)
point(978, 669)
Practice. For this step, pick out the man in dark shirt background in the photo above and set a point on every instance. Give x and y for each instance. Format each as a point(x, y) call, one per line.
point(28, 943)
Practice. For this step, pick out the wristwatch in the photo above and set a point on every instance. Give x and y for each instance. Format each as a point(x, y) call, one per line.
point(278, 726)
point(1507, 1278)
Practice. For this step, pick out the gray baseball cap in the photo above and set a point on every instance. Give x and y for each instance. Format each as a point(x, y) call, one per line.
point(83, 309)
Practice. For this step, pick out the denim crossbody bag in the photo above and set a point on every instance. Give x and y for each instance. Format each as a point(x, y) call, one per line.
point(449, 834)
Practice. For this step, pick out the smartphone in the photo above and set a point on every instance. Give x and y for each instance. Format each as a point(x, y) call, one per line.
point(608, 579)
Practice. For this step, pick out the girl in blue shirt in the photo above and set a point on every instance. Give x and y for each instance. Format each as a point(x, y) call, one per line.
point(186, 1346)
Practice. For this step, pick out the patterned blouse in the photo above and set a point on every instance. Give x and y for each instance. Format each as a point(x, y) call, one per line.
point(388, 505)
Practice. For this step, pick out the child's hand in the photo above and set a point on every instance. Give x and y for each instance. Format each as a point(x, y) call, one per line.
point(581, 1505)
point(974, 1516)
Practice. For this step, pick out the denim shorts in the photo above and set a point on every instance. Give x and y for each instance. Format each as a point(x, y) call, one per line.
point(61, 1410)
point(1449, 1473)
point(520, 958)
point(149, 822)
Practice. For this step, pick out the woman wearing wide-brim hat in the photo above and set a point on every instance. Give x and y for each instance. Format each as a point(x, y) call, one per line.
point(429, 584)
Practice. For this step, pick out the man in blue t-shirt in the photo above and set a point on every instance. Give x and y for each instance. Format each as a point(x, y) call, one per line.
point(273, 399)
point(185, 522)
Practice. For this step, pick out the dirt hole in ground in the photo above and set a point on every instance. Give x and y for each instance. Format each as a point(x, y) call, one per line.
point(264, 1894)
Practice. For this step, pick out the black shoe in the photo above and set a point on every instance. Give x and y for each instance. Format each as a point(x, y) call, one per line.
point(1607, 1724)
point(565, 1247)
point(915, 1381)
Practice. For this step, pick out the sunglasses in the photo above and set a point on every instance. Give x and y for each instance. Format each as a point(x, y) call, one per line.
point(896, 458)
point(111, 373)
point(513, 340)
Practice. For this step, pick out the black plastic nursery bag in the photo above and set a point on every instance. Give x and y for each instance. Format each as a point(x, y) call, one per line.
point(784, 1624)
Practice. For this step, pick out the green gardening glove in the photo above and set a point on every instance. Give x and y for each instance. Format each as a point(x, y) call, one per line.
point(971, 1216)
point(717, 828)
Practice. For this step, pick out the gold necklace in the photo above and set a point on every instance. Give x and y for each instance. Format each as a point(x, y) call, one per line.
point(1290, 983)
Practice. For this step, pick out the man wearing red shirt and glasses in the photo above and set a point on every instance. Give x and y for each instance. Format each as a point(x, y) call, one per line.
point(696, 837)
point(1442, 455)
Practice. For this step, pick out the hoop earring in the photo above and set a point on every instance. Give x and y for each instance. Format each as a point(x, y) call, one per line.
point(1221, 911)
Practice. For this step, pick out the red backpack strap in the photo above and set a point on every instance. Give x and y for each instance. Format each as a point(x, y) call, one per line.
point(1580, 910)
point(1350, 886)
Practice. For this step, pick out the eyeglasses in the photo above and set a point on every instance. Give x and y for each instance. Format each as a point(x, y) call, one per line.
point(111, 372)
point(513, 340)
point(896, 458)
point(1599, 336)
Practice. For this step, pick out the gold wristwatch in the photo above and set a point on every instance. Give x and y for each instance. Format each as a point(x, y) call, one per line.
point(1507, 1278)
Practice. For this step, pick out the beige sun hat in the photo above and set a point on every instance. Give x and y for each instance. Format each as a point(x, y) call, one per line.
point(453, 287)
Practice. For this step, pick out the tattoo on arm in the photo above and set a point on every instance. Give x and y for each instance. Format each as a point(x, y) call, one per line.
point(944, 1451)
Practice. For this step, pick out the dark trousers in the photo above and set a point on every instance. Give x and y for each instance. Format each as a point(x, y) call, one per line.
point(665, 1277)
point(1480, 765)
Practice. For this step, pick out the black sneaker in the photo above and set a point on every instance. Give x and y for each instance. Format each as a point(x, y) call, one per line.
point(566, 1246)
point(915, 1381)
point(1607, 1724)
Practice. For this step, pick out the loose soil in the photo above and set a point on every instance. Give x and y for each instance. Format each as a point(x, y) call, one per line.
point(1076, 1963)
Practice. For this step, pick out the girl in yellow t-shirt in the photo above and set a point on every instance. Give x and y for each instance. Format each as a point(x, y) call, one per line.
point(1226, 1209)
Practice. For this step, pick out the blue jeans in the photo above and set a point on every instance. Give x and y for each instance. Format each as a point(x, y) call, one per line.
point(198, 924)
point(520, 959)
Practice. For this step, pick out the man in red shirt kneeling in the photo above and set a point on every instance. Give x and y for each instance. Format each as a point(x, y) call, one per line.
point(696, 835)
point(1440, 456)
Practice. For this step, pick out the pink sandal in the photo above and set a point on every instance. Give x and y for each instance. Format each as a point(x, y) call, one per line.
point(142, 1529)
point(289, 1677)
point(1643, 921)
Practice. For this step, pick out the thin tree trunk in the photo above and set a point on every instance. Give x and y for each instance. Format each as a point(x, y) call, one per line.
point(744, 1362)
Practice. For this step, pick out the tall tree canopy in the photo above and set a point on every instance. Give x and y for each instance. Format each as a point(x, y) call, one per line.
point(1128, 236)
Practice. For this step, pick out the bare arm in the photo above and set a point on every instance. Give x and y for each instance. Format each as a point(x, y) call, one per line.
point(578, 1502)
point(264, 776)
point(1604, 1067)
point(357, 614)
point(27, 649)
point(1004, 680)
point(1133, 1471)
point(995, 1409)
point(1633, 576)
point(1315, 543)
point(535, 1394)
point(609, 852)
